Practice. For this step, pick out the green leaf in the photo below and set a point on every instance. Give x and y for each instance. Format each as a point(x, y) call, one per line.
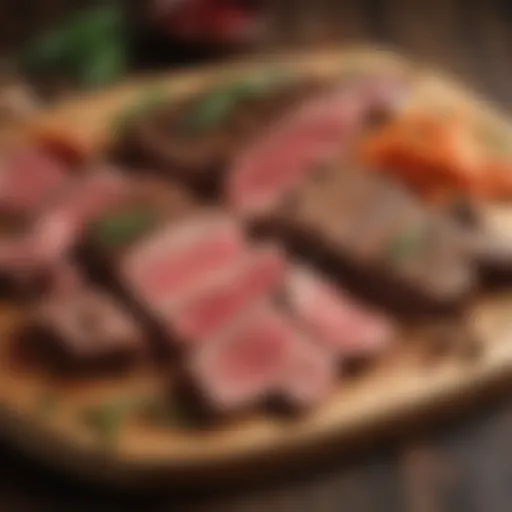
point(123, 227)
point(210, 111)
point(215, 106)
point(407, 244)
point(104, 66)
point(108, 419)
point(89, 46)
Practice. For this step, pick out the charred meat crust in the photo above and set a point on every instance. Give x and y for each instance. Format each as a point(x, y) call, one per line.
point(345, 224)
point(199, 157)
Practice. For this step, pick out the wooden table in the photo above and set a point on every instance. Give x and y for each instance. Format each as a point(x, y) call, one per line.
point(461, 466)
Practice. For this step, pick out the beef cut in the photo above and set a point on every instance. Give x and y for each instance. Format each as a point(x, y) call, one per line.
point(295, 147)
point(378, 238)
point(80, 326)
point(309, 375)
point(246, 364)
point(180, 256)
point(29, 179)
point(196, 139)
point(213, 306)
point(334, 319)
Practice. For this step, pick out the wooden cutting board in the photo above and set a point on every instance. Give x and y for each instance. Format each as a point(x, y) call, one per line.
point(404, 384)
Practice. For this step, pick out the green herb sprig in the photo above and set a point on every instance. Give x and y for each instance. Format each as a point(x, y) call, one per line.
point(90, 47)
point(121, 228)
point(406, 244)
point(215, 106)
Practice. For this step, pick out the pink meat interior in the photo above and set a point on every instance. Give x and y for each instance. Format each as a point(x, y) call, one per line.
point(59, 229)
point(310, 375)
point(163, 268)
point(276, 163)
point(28, 178)
point(218, 303)
point(334, 318)
point(246, 363)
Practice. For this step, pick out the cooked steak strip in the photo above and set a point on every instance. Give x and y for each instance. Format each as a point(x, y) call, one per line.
point(334, 319)
point(180, 256)
point(246, 364)
point(29, 179)
point(371, 233)
point(82, 327)
point(218, 303)
point(309, 376)
point(277, 161)
point(194, 140)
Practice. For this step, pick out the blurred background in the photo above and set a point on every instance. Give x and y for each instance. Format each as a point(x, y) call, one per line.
point(50, 48)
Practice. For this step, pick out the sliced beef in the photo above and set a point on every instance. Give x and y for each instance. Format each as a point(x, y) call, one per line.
point(29, 179)
point(245, 365)
point(31, 254)
point(196, 277)
point(196, 139)
point(309, 375)
point(181, 255)
point(63, 223)
point(215, 305)
point(332, 318)
point(80, 327)
point(376, 237)
point(294, 148)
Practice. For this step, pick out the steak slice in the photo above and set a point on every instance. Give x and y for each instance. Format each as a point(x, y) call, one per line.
point(164, 265)
point(309, 376)
point(82, 327)
point(29, 179)
point(214, 306)
point(60, 228)
point(245, 365)
point(322, 126)
point(378, 238)
point(193, 141)
point(332, 318)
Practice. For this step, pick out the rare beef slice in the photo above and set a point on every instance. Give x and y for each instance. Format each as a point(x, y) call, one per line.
point(30, 179)
point(195, 278)
point(31, 255)
point(335, 320)
point(247, 363)
point(377, 238)
point(78, 326)
point(195, 139)
point(326, 124)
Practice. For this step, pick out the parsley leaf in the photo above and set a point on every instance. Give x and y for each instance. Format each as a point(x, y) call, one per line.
point(120, 228)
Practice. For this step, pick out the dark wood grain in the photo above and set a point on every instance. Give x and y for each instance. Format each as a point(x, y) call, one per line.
point(464, 467)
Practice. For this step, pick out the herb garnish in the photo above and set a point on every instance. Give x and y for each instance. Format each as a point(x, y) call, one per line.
point(215, 106)
point(91, 47)
point(120, 228)
point(406, 244)
point(108, 419)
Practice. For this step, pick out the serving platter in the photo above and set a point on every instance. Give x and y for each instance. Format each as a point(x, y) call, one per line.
point(43, 414)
